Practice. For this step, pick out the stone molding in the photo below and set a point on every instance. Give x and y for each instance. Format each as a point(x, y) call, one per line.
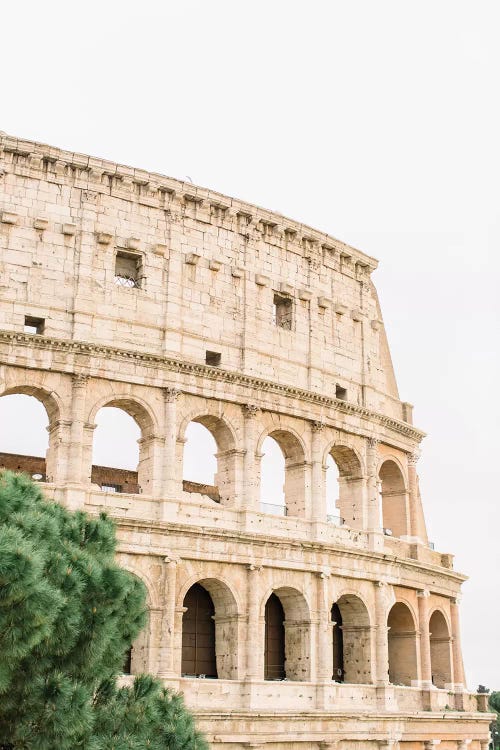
point(214, 373)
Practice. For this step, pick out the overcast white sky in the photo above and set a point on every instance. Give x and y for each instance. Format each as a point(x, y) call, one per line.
point(378, 122)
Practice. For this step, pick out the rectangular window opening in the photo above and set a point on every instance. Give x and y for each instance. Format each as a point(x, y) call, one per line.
point(128, 269)
point(282, 312)
point(340, 393)
point(33, 325)
point(111, 488)
point(213, 358)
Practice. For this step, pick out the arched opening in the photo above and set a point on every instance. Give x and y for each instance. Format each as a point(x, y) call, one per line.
point(210, 631)
point(27, 433)
point(402, 638)
point(351, 641)
point(198, 634)
point(274, 648)
point(287, 636)
point(137, 659)
point(440, 650)
point(272, 478)
point(116, 451)
point(344, 487)
point(282, 484)
point(338, 671)
point(209, 466)
point(395, 514)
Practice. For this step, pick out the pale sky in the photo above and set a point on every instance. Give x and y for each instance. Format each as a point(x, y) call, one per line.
point(378, 122)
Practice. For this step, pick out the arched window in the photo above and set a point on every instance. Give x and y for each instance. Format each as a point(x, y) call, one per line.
point(198, 634)
point(115, 454)
point(351, 641)
point(440, 650)
point(287, 643)
point(282, 476)
point(24, 438)
point(200, 462)
point(272, 478)
point(209, 460)
point(395, 513)
point(402, 645)
point(274, 649)
point(344, 487)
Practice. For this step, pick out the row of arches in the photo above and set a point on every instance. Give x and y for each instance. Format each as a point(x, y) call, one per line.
point(210, 642)
point(207, 449)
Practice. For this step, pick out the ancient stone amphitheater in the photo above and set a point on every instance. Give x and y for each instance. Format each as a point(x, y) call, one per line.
point(286, 626)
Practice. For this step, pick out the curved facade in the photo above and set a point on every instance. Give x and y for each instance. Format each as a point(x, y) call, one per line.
point(286, 626)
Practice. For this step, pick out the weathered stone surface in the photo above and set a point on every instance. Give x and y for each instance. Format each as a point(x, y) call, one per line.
point(132, 285)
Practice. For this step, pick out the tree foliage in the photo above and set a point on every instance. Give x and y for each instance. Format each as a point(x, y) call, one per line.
point(68, 615)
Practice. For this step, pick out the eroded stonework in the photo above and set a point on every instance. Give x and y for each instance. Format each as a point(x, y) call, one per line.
point(177, 304)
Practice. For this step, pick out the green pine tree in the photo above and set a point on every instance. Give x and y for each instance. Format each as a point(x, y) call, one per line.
point(68, 615)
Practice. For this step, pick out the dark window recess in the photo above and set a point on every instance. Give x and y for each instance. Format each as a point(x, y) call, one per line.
point(340, 393)
point(282, 312)
point(198, 634)
point(213, 358)
point(274, 644)
point(128, 269)
point(338, 645)
point(33, 325)
point(127, 665)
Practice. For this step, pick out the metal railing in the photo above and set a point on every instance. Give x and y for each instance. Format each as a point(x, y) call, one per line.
point(273, 509)
point(336, 520)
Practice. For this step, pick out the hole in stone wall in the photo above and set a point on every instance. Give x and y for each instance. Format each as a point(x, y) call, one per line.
point(282, 312)
point(213, 358)
point(128, 269)
point(340, 393)
point(34, 325)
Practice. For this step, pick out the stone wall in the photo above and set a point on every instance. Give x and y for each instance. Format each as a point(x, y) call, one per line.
point(128, 289)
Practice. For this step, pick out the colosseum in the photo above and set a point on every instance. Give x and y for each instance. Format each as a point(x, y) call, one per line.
point(315, 619)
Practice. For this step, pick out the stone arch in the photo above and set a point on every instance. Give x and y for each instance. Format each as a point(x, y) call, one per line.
point(402, 638)
point(297, 631)
point(351, 639)
point(49, 466)
point(294, 453)
point(225, 619)
point(137, 659)
point(394, 497)
point(350, 482)
point(226, 479)
point(440, 648)
point(142, 479)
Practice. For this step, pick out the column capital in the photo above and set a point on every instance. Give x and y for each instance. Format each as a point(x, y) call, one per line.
point(171, 560)
point(423, 594)
point(255, 568)
point(251, 410)
point(430, 744)
point(373, 442)
point(171, 394)
point(317, 425)
point(79, 379)
point(455, 600)
point(413, 456)
point(325, 573)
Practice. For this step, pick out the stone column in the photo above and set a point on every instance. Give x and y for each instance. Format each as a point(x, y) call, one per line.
point(75, 472)
point(372, 509)
point(251, 471)
point(425, 643)
point(170, 482)
point(417, 523)
point(167, 635)
point(318, 489)
point(458, 668)
point(324, 655)
point(381, 635)
point(254, 647)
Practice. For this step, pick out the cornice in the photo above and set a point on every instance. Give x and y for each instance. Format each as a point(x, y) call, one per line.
point(90, 173)
point(184, 367)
